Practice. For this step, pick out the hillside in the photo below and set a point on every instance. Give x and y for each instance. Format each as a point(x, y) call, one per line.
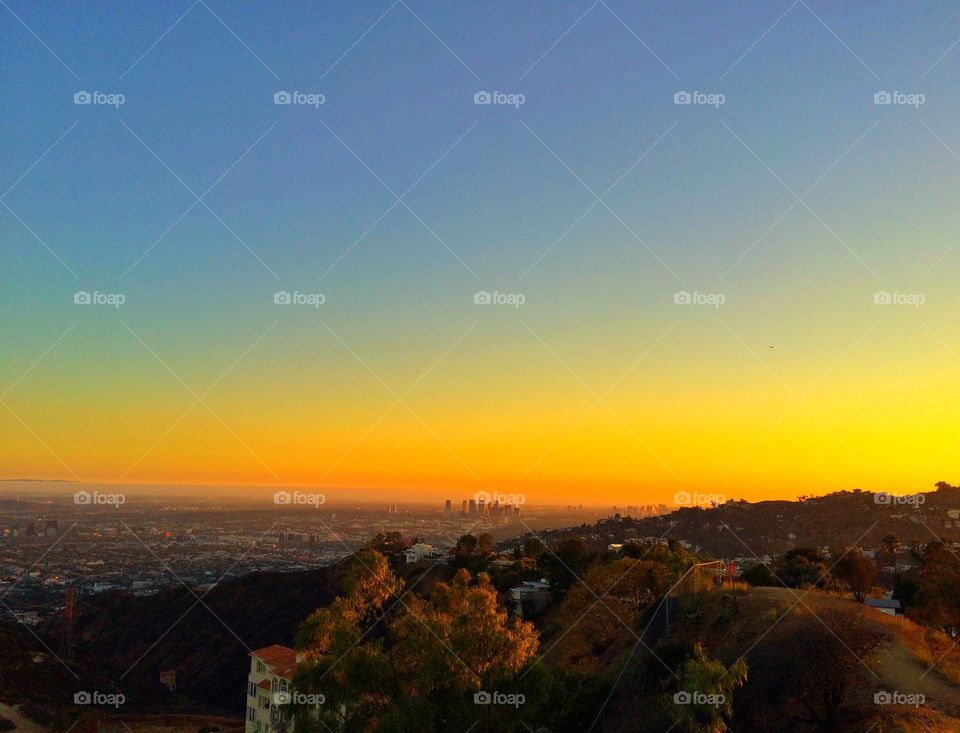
point(120, 636)
point(801, 665)
point(814, 659)
point(744, 529)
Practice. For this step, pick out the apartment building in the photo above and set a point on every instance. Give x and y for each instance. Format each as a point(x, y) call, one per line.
point(271, 670)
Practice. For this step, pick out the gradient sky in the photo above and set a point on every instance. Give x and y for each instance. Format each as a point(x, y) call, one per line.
point(599, 388)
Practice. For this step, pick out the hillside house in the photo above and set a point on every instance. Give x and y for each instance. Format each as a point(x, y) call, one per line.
point(531, 597)
point(419, 551)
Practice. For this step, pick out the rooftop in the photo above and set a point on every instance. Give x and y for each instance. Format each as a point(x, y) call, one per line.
point(883, 603)
point(282, 660)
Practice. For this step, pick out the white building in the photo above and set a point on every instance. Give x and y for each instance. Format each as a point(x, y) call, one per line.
point(420, 551)
point(271, 670)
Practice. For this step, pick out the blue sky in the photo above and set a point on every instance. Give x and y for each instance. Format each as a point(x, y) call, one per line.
point(702, 202)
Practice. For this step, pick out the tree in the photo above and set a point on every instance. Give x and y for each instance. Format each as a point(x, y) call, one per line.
point(804, 566)
point(937, 602)
point(568, 562)
point(533, 547)
point(760, 574)
point(626, 588)
point(467, 544)
point(369, 584)
point(890, 544)
point(485, 542)
point(858, 571)
point(905, 590)
point(634, 550)
point(410, 664)
point(388, 543)
point(466, 619)
point(704, 702)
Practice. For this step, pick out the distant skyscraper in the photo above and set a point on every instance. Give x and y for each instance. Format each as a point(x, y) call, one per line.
point(448, 506)
point(473, 506)
point(464, 509)
point(482, 507)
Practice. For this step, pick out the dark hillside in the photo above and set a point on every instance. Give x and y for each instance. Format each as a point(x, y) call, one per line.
point(124, 640)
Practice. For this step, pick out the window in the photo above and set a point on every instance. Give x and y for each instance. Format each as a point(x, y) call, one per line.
point(251, 714)
point(261, 667)
point(251, 688)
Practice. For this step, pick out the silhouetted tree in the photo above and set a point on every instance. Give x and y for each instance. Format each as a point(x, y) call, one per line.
point(858, 571)
point(467, 544)
point(804, 566)
point(485, 543)
point(533, 547)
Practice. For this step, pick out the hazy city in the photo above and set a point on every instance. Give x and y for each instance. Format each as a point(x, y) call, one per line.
point(98, 539)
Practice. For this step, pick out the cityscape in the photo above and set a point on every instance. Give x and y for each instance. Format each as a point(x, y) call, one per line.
point(143, 545)
point(407, 366)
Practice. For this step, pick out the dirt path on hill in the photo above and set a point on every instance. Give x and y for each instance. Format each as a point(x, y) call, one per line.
point(902, 672)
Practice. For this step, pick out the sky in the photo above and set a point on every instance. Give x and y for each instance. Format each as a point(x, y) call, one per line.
point(752, 294)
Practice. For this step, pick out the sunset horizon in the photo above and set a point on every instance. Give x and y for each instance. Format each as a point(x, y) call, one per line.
point(480, 367)
point(606, 286)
